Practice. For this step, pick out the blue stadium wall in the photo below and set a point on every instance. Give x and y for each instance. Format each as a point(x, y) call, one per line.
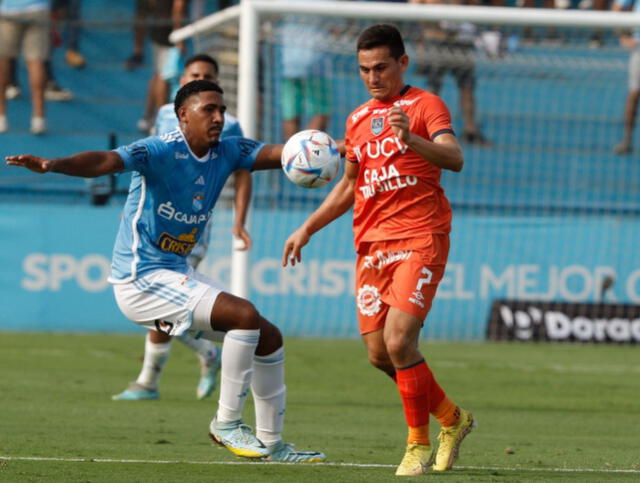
point(55, 260)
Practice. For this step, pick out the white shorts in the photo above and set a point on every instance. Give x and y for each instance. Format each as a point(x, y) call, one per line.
point(168, 301)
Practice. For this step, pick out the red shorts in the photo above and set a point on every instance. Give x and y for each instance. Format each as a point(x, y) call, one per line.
point(399, 273)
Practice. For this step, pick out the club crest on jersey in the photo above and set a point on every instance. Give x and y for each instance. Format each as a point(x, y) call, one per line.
point(198, 198)
point(377, 125)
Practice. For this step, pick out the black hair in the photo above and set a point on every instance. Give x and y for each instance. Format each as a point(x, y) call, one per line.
point(202, 58)
point(193, 88)
point(382, 35)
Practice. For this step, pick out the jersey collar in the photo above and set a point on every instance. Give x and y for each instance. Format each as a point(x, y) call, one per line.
point(202, 159)
point(402, 92)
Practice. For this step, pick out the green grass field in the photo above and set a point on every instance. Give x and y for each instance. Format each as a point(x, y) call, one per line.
point(545, 413)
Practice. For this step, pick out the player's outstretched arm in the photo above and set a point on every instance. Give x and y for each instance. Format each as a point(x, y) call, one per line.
point(336, 204)
point(242, 199)
point(88, 164)
point(444, 151)
point(269, 157)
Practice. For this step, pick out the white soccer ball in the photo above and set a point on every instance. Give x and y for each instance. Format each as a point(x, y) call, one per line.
point(310, 158)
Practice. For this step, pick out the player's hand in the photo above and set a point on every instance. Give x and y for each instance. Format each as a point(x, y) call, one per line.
point(34, 163)
point(400, 124)
point(293, 246)
point(243, 236)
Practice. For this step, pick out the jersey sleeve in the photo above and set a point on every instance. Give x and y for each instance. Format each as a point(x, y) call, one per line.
point(437, 118)
point(141, 155)
point(244, 152)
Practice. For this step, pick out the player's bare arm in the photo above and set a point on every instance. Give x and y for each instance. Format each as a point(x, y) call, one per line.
point(444, 151)
point(336, 204)
point(88, 164)
point(243, 196)
point(269, 157)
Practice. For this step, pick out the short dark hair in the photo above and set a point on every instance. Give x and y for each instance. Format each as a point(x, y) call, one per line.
point(202, 58)
point(193, 88)
point(382, 35)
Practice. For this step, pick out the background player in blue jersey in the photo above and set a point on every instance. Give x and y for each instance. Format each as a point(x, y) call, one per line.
point(175, 183)
point(158, 344)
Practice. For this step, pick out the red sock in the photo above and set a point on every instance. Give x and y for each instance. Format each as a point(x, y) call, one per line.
point(413, 383)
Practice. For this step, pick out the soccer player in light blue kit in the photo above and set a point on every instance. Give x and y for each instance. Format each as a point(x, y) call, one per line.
point(176, 181)
point(158, 344)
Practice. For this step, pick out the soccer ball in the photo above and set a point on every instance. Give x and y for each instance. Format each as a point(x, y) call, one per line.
point(310, 158)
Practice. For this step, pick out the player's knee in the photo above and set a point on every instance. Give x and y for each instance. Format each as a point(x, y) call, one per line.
point(246, 316)
point(380, 361)
point(396, 348)
point(270, 338)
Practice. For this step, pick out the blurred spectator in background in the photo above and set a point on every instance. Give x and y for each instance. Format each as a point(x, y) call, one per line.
point(306, 92)
point(67, 12)
point(157, 18)
point(25, 25)
point(448, 47)
point(52, 91)
point(630, 41)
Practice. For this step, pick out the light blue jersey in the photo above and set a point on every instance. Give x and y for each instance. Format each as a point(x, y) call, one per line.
point(167, 121)
point(171, 198)
point(9, 7)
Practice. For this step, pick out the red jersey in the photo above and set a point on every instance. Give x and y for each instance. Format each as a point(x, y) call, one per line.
point(398, 193)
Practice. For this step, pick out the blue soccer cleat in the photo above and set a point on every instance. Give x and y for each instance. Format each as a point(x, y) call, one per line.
point(237, 438)
point(285, 452)
point(136, 392)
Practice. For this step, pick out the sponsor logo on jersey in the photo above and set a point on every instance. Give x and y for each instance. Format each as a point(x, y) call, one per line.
point(200, 180)
point(368, 300)
point(359, 114)
point(198, 198)
point(377, 125)
point(247, 146)
point(404, 102)
point(139, 152)
point(380, 147)
point(168, 212)
point(385, 178)
point(182, 155)
point(181, 245)
point(417, 299)
point(380, 258)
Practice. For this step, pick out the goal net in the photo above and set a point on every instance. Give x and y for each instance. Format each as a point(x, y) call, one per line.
point(544, 209)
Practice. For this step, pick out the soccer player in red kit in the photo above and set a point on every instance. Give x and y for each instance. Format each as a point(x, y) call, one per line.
point(396, 145)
